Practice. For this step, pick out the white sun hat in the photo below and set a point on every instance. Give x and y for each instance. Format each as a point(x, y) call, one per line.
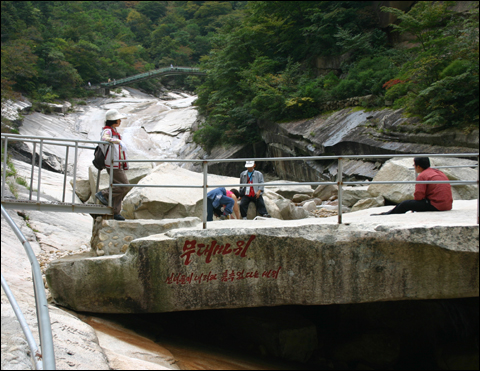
point(249, 163)
point(114, 115)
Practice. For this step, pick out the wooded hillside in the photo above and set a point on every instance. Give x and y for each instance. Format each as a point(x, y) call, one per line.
point(260, 56)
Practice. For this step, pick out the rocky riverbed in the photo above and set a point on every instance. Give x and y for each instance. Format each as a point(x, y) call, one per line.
point(158, 129)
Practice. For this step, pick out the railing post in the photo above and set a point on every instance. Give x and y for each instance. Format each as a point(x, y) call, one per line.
point(4, 173)
point(98, 181)
point(204, 212)
point(65, 175)
point(39, 169)
point(110, 186)
point(75, 172)
point(32, 171)
point(340, 188)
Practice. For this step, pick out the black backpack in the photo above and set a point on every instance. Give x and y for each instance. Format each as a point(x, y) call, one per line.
point(99, 159)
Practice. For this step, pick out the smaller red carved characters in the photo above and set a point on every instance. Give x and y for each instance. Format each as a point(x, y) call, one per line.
point(225, 276)
point(211, 277)
point(240, 275)
point(198, 279)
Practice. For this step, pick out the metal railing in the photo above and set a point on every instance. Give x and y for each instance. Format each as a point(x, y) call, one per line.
point(158, 72)
point(103, 210)
point(340, 183)
point(76, 144)
point(46, 358)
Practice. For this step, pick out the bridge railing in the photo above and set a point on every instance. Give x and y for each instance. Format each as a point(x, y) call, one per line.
point(159, 71)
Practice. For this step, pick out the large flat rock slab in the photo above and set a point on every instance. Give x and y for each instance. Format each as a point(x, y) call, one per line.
point(236, 264)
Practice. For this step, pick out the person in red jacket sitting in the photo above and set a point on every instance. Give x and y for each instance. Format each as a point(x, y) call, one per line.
point(428, 197)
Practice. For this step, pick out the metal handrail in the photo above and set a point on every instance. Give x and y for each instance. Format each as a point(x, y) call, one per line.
point(48, 141)
point(45, 359)
point(205, 163)
point(32, 344)
point(339, 182)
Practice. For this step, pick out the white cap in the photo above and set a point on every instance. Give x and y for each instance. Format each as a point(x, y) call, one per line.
point(249, 163)
point(114, 115)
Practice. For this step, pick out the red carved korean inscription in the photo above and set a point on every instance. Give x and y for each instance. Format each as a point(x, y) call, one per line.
point(209, 250)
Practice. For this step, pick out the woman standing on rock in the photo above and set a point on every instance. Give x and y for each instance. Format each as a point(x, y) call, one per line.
point(110, 134)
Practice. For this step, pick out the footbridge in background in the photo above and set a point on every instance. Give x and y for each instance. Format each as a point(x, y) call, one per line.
point(160, 72)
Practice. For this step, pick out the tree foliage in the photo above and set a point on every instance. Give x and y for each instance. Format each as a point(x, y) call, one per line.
point(262, 65)
point(261, 57)
point(64, 45)
point(439, 81)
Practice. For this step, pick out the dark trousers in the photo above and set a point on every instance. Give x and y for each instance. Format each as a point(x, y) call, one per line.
point(211, 210)
point(259, 203)
point(118, 193)
point(412, 205)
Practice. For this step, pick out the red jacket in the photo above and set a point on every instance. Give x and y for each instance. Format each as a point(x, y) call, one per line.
point(439, 195)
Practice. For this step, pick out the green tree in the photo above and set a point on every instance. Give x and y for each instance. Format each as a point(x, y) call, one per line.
point(152, 9)
point(18, 67)
point(139, 24)
point(440, 77)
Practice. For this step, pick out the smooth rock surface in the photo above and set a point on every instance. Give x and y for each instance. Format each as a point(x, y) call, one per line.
point(110, 237)
point(179, 202)
point(401, 169)
point(324, 192)
point(351, 195)
point(368, 203)
point(352, 131)
point(288, 191)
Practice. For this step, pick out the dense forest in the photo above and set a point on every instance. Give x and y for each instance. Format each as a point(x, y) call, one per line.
point(260, 56)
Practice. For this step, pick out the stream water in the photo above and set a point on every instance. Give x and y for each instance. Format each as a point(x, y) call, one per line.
point(182, 348)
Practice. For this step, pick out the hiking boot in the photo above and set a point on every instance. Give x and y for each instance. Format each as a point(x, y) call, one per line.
point(118, 217)
point(224, 216)
point(266, 215)
point(100, 198)
point(244, 218)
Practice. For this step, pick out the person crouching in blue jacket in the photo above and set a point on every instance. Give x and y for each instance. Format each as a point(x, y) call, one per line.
point(215, 199)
